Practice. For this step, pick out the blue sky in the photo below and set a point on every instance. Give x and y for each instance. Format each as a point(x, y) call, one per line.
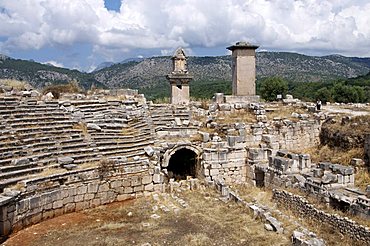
point(82, 34)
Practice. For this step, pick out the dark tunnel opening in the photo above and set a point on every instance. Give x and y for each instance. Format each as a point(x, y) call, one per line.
point(183, 163)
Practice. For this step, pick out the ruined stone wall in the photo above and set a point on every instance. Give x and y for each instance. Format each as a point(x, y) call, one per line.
point(286, 134)
point(301, 206)
point(48, 197)
point(224, 163)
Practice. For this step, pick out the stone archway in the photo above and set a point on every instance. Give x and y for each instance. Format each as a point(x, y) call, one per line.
point(182, 161)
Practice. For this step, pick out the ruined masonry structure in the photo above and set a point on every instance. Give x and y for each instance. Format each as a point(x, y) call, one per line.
point(243, 69)
point(179, 78)
point(79, 152)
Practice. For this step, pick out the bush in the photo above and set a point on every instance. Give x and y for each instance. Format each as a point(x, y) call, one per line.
point(271, 87)
point(324, 94)
point(56, 90)
point(346, 94)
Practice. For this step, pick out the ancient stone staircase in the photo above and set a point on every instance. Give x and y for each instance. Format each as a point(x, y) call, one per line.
point(36, 135)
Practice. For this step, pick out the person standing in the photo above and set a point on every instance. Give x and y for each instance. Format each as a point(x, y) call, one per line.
point(318, 105)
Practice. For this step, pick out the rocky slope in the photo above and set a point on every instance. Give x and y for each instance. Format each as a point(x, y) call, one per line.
point(291, 66)
point(150, 72)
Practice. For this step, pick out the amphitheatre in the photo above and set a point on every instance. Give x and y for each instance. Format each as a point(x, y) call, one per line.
point(108, 167)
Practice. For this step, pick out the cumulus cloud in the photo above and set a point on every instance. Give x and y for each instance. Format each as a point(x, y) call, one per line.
point(337, 26)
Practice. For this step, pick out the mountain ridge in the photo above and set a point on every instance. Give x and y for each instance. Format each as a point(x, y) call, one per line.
point(215, 71)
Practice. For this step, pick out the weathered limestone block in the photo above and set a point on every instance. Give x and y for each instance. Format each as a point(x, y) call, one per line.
point(128, 190)
point(149, 150)
point(88, 197)
point(57, 204)
point(135, 181)
point(65, 160)
point(92, 126)
point(79, 198)
point(138, 188)
point(149, 187)
point(92, 187)
point(158, 178)
point(147, 179)
point(82, 190)
point(69, 199)
point(70, 207)
point(81, 206)
point(214, 172)
point(115, 184)
point(103, 187)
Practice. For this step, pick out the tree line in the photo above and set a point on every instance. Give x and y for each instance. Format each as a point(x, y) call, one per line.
point(355, 90)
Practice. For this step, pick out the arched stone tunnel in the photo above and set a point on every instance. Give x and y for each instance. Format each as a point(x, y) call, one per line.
point(182, 161)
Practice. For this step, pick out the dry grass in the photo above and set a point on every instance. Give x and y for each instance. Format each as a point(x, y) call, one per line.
point(196, 138)
point(245, 116)
point(358, 125)
point(57, 89)
point(206, 221)
point(285, 112)
point(16, 84)
point(362, 179)
point(83, 127)
point(334, 155)
point(129, 131)
point(49, 171)
point(161, 100)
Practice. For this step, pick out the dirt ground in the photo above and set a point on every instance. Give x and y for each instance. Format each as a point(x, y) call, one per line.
point(187, 218)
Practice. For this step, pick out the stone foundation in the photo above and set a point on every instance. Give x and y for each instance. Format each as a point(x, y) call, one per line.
point(302, 208)
point(48, 197)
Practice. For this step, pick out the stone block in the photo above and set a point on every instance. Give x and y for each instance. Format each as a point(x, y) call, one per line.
point(65, 160)
point(205, 136)
point(68, 199)
point(95, 202)
point(92, 188)
point(214, 172)
point(92, 126)
point(224, 107)
point(58, 204)
point(138, 188)
point(157, 178)
point(149, 187)
point(126, 182)
point(125, 197)
point(231, 140)
point(128, 190)
point(70, 207)
point(135, 181)
point(147, 179)
point(88, 197)
point(82, 205)
point(47, 214)
point(81, 190)
point(103, 187)
point(79, 198)
point(35, 202)
point(116, 184)
point(149, 150)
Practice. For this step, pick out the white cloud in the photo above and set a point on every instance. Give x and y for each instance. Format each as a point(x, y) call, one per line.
point(339, 26)
point(54, 63)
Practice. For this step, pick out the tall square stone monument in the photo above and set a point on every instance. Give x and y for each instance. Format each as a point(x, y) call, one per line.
point(243, 69)
point(179, 78)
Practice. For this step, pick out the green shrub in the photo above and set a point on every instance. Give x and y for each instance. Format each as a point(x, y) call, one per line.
point(273, 86)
